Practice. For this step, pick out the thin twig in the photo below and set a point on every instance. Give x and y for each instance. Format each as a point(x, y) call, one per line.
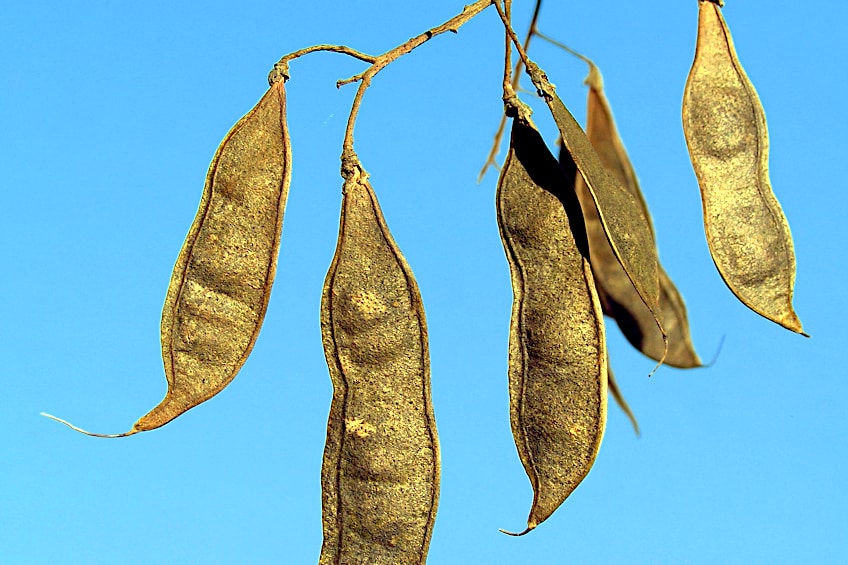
point(507, 80)
point(537, 76)
point(516, 79)
point(511, 33)
point(281, 67)
point(388, 57)
point(378, 63)
point(531, 31)
point(561, 45)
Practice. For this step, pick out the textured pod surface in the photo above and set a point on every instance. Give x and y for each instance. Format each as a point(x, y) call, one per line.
point(380, 477)
point(725, 128)
point(619, 297)
point(557, 352)
point(619, 212)
point(222, 280)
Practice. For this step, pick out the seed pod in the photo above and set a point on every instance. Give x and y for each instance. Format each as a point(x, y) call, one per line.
point(380, 478)
point(221, 283)
point(725, 129)
point(222, 280)
point(557, 353)
point(620, 299)
point(619, 212)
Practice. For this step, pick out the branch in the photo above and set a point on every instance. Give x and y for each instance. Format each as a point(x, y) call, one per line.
point(388, 57)
point(281, 67)
point(522, 52)
point(516, 79)
point(378, 63)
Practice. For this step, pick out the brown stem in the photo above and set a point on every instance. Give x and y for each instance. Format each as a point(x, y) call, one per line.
point(537, 76)
point(281, 67)
point(380, 62)
point(511, 33)
point(514, 85)
point(507, 51)
point(531, 31)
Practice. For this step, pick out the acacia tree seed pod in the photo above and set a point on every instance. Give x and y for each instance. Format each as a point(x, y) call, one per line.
point(619, 297)
point(557, 352)
point(725, 128)
point(619, 212)
point(221, 283)
point(380, 477)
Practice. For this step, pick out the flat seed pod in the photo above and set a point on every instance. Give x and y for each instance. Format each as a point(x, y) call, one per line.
point(619, 212)
point(557, 352)
point(380, 478)
point(725, 128)
point(222, 279)
point(619, 297)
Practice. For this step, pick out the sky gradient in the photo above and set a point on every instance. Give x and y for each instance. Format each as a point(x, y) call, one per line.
point(111, 113)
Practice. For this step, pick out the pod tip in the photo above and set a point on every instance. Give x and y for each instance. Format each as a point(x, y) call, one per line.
point(82, 431)
point(530, 526)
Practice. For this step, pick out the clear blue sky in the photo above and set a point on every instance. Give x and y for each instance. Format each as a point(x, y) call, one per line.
point(110, 114)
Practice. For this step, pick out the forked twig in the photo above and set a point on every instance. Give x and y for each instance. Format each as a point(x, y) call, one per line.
point(281, 67)
point(516, 79)
point(378, 63)
point(388, 57)
point(522, 51)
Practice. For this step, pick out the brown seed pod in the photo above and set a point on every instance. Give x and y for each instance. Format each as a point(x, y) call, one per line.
point(557, 352)
point(725, 128)
point(620, 299)
point(619, 212)
point(380, 478)
point(222, 280)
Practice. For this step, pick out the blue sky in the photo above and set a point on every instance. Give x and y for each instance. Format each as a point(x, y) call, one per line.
point(111, 113)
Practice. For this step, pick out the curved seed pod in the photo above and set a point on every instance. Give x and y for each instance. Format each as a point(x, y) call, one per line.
point(725, 129)
point(222, 279)
point(619, 212)
point(380, 477)
point(620, 299)
point(557, 352)
point(615, 392)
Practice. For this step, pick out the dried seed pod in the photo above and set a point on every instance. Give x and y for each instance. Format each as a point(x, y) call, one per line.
point(620, 299)
point(615, 392)
point(619, 212)
point(557, 353)
point(725, 129)
point(222, 279)
point(380, 477)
